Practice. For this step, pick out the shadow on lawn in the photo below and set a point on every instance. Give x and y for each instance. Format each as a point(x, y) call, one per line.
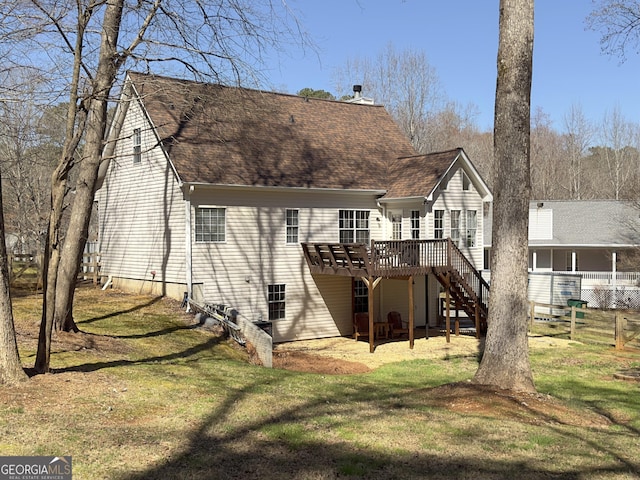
point(282, 446)
point(182, 355)
point(153, 301)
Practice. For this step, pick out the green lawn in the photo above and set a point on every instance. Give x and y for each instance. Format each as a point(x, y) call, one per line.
point(146, 395)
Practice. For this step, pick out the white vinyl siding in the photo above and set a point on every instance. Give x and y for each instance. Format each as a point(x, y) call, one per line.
point(254, 256)
point(142, 214)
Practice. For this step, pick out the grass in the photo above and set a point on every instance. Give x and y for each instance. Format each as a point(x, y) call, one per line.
point(145, 395)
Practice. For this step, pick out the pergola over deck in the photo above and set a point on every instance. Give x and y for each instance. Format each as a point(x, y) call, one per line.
point(405, 259)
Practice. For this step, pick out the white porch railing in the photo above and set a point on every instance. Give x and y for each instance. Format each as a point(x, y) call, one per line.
point(609, 278)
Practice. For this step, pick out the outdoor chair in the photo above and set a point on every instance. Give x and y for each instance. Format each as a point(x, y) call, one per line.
point(397, 325)
point(361, 325)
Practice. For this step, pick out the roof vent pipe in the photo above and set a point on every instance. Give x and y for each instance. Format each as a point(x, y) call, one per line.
point(357, 91)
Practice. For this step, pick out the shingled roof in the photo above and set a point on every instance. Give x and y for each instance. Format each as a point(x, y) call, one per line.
point(225, 135)
point(417, 176)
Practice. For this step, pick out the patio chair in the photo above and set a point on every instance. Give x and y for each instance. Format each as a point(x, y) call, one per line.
point(361, 325)
point(397, 325)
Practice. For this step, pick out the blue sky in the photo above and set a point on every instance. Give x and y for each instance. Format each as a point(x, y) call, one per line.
point(460, 39)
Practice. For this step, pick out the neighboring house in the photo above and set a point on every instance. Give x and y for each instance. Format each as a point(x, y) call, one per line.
point(222, 193)
point(594, 239)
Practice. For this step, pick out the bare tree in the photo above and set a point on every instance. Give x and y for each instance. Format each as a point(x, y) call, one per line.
point(620, 160)
point(404, 82)
point(547, 167)
point(505, 362)
point(90, 45)
point(578, 135)
point(618, 21)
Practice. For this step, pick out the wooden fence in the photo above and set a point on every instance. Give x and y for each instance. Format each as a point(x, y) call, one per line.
point(90, 267)
point(610, 327)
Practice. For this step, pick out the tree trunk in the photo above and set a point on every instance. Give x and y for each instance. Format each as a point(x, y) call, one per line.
point(505, 362)
point(77, 231)
point(11, 370)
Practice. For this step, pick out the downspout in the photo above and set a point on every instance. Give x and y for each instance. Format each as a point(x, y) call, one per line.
point(188, 189)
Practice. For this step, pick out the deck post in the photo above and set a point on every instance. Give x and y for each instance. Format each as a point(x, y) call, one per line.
point(447, 299)
point(411, 315)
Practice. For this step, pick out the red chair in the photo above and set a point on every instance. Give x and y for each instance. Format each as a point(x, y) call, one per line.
point(396, 324)
point(361, 325)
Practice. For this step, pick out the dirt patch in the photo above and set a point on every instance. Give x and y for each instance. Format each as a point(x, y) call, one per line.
point(343, 355)
point(532, 408)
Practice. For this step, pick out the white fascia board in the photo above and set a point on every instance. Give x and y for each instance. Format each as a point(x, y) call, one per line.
point(224, 186)
point(420, 199)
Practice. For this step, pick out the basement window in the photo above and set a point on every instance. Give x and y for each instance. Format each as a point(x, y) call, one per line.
point(276, 301)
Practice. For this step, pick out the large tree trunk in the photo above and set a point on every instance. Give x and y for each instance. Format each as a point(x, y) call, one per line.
point(505, 362)
point(77, 231)
point(63, 259)
point(11, 370)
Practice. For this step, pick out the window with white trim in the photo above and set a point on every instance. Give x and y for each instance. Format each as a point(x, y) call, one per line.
point(360, 296)
point(210, 224)
point(472, 227)
point(455, 227)
point(415, 224)
point(292, 226)
point(276, 301)
point(438, 224)
point(137, 145)
point(396, 226)
point(353, 226)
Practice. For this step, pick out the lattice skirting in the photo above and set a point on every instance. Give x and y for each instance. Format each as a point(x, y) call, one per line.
point(606, 297)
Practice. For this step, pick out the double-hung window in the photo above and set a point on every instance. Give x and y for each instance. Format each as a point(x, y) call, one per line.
point(292, 226)
point(210, 224)
point(455, 227)
point(276, 301)
point(415, 224)
point(353, 226)
point(438, 224)
point(360, 296)
point(137, 145)
point(472, 226)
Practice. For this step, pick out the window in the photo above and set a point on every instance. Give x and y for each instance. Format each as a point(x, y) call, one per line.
point(396, 227)
point(210, 225)
point(455, 227)
point(438, 224)
point(360, 297)
point(276, 301)
point(292, 226)
point(137, 146)
point(354, 226)
point(415, 224)
point(472, 226)
point(466, 183)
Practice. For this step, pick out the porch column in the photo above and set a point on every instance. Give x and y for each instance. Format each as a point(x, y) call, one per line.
point(614, 276)
point(534, 261)
point(573, 261)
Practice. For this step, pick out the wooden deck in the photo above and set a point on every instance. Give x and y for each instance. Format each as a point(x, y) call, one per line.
point(405, 259)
